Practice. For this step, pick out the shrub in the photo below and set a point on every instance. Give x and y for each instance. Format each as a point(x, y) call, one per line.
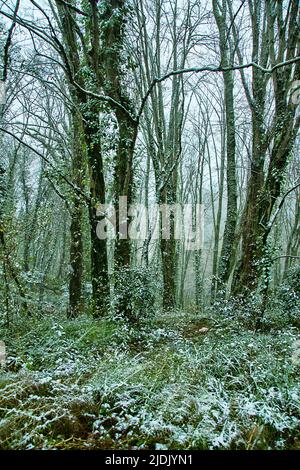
point(136, 293)
point(284, 303)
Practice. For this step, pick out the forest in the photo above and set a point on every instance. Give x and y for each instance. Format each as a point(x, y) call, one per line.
point(149, 224)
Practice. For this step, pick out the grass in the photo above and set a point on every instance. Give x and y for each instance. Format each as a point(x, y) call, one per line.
point(103, 385)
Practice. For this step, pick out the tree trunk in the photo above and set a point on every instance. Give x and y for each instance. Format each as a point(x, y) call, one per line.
point(99, 262)
point(226, 261)
point(76, 244)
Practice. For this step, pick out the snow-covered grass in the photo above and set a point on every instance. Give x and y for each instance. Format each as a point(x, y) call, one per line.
point(181, 382)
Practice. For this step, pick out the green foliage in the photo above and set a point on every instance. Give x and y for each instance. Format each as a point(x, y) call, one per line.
point(137, 288)
point(284, 304)
point(86, 384)
point(293, 279)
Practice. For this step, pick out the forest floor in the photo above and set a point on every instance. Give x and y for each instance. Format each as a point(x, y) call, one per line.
point(180, 382)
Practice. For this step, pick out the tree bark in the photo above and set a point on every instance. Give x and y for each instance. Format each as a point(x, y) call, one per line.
point(76, 243)
point(226, 260)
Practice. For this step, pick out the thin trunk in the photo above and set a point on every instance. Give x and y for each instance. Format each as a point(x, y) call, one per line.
point(76, 245)
point(226, 261)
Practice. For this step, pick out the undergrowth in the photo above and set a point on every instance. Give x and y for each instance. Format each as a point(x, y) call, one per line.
point(181, 382)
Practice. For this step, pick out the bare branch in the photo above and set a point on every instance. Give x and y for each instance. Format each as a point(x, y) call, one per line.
point(271, 223)
point(213, 70)
point(72, 7)
point(8, 42)
point(285, 256)
point(63, 177)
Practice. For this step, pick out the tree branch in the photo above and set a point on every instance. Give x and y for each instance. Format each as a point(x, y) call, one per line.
point(213, 70)
point(8, 42)
point(271, 223)
point(285, 256)
point(72, 7)
point(63, 177)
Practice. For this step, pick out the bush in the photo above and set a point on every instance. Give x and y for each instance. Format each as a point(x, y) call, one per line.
point(136, 293)
point(284, 303)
